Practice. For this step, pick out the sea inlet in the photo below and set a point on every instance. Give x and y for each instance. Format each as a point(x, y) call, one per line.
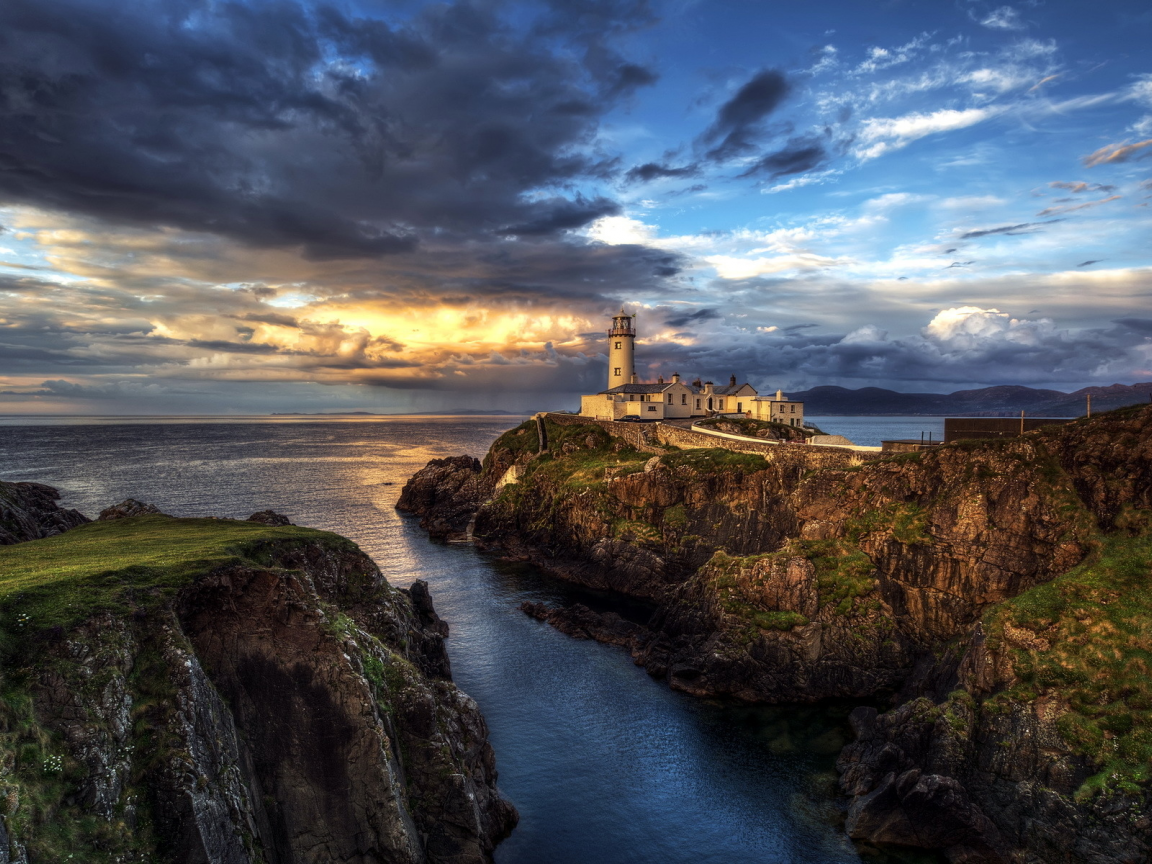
point(605, 764)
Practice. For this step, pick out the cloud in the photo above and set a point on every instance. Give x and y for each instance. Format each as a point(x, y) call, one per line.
point(1004, 18)
point(881, 135)
point(1080, 186)
point(1141, 89)
point(963, 345)
point(730, 267)
point(1141, 325)
point(1048, 211)
point(736, 128)
point(800, 155)
point(692, 318)
point(650, 171)
point(289, 125)
point(1113, 153)
point(1008, 230)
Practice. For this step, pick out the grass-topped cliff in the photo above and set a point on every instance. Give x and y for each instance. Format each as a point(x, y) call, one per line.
point(997, 590)
point(217, 690)
point(126, 565)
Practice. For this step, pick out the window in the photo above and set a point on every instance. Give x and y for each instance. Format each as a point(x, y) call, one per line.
point(616, 372)
point(720, 405)
point(669, 398)
point(651, 407)
point(697, 404)
point(793, 409)
point(739, 407)
point(683, 398)
point(618, 346)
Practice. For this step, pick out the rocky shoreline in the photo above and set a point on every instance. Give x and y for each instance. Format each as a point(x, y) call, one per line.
point(265, 697)
point(934, 581)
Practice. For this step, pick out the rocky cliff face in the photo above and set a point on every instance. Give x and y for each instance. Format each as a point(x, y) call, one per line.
point(278, 702)
point(28, 511)
point(931, 578)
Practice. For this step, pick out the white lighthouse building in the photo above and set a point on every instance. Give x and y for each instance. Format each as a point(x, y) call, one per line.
point(621, 351)
point(626, 396)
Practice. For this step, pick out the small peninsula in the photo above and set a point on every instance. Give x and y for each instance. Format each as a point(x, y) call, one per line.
point(993, 595)
point(225, 691)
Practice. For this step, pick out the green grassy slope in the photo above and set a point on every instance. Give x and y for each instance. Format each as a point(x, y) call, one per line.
point(110, 566)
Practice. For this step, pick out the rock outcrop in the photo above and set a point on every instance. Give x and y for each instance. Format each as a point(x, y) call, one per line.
point(446, 497)
point(127, 508)
point(28, 511)
point(811, 574)
point(281, 703)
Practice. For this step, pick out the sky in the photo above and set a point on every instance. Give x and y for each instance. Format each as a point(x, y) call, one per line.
point(253, 207)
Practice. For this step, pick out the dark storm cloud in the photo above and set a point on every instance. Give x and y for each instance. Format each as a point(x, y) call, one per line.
point(629, 77)
point(559, 214)
point(737, 126)
point(650, 171)
point(300, 125)
point(1009, 230)
point(800, 155)
point(1140, 325)
point(692, 318)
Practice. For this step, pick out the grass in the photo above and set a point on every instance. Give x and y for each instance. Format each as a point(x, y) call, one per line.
point(906, 521)
point(843, 572)
point(714, 459)
point(1091, 645)
point(59, 581)
point(522, 439)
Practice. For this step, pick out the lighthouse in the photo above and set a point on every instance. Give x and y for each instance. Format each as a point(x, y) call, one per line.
point(621, 350)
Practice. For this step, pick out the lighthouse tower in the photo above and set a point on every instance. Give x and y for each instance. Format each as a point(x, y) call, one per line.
point(621, 350)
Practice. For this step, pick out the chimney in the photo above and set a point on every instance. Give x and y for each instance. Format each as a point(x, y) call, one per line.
point(779, 395)
point(632, 380)
point(660, 380)
point(675, 377)
point(732, 381)
point(697, 383)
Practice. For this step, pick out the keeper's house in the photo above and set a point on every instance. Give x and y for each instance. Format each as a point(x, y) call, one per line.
point(664, 400)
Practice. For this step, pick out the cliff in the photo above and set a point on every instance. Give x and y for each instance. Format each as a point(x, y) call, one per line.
point(993, 591)
point(209, 690)
point(28, 511)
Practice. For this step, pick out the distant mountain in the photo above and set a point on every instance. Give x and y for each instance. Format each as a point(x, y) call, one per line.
point(1004, 401)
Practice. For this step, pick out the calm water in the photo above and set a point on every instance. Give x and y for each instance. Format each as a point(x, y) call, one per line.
point(869, 431)
point(605, 764)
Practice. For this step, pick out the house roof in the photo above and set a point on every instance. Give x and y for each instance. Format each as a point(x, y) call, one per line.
point(639, 388)
point(727, 389)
